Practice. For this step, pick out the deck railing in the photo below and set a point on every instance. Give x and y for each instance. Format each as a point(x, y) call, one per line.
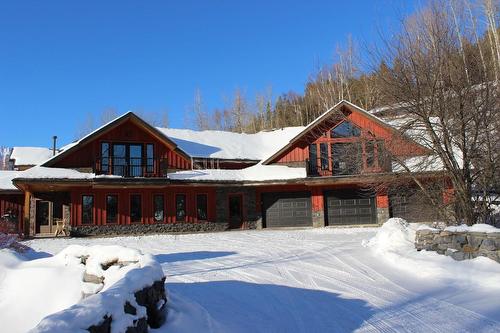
point(131, 167)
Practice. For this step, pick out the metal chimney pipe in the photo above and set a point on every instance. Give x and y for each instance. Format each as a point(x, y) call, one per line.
point(54, 138)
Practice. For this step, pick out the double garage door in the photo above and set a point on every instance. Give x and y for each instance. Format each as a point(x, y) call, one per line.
point(349, 207)
point(280, 209)
point(291, 209)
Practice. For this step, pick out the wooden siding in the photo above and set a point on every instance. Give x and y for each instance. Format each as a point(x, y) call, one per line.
point(127, 132)
point(147, 203)
point(14, 202)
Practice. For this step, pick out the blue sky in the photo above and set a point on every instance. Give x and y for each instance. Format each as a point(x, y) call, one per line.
point(61, 60)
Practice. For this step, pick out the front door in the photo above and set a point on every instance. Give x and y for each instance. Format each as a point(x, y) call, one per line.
point(235, 211)
point(44, 220)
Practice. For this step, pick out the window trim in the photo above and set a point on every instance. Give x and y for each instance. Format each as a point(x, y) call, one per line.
point(185, 207)
point(92, 210)
point(164, 207)
point(117, 208)
point(206, 206)
point(130, 208)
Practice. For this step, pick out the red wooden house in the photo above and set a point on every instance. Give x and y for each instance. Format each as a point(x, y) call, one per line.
point(131, 177)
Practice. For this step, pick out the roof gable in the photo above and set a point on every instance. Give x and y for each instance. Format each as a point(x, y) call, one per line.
point(333, 117)
point(128, 117)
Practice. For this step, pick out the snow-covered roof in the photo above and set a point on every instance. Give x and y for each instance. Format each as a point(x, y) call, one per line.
point(30, 155)
point(230, 145)
point(6, 177)
point(257, 172)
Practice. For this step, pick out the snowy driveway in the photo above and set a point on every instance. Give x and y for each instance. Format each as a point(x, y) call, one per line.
point(315, 280)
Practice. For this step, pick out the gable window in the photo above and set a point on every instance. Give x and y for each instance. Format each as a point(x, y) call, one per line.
point(201, 207)
point(323, 148)
point(149, 158)
point(345, 130)
point(180, 207)
point(158, 208)
point(135, 208)
point(313, 158)
point(111, 208)
point(105, 157)
point(346, 158)
point(370, 153)
point(87, 209)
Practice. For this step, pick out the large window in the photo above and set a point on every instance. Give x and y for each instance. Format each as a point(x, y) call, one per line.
point(323, 147)
point(201, 207)
point(158, 208)
point(313, 158)
point(87, 209)
point(180, 207)
point(111, 208)
point(149, 158)
point(105, 157)
point(370, 153)
point(135, 208)
point(346, 158)
point(126, 159)
point(119, 159)
point(345, 130)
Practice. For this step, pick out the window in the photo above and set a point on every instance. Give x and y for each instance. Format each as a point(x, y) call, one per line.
point(135, 208)
point(323, 147)
point(87, 209)
point(111, 208)
point(383, 158)
point(149, 158)
point(135, 160)
point(119, 159)
point(235, 207)
point(180, 207)
point(370, 153)
point(158, 207)
point(313, 158)
point(346, 158)
point(345, 130)
point(201, 207)
point(105, 157)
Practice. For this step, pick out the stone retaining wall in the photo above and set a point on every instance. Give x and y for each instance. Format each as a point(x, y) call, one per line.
point(140, 229)
point(459, 245)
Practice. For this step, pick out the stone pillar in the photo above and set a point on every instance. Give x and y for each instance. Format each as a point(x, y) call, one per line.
point(318, 218)
point(382, 215)
point(32, 215)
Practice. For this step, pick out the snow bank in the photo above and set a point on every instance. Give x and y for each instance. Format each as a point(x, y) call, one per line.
point(53, 288)
point(486, 228)
point(394, 242)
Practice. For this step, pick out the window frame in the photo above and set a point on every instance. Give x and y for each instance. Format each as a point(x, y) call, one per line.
point(92, 210)
point(164, 207)
point(206, 206)
point(177, 219)
point(130, 207)
point(106, 220)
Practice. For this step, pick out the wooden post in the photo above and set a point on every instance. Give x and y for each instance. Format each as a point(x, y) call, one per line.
point(27, 218)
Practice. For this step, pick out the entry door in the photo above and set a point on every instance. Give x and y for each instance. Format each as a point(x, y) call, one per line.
point(44, 220)
point(235, 211)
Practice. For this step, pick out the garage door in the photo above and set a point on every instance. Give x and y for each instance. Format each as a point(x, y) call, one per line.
point(350, 207)
point(286, 209)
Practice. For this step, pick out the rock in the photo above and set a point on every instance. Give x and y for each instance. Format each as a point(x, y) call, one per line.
point(474, 241)
point(102, 327)
point(91, 278)
point(488, 245)
point(458, 255)
point(155, 300)
point(129, 308)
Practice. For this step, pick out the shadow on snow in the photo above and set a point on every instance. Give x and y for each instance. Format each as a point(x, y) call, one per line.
point(185, 256)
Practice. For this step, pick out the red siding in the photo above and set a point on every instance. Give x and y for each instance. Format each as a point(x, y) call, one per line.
point(128, 131)
point(14, 202)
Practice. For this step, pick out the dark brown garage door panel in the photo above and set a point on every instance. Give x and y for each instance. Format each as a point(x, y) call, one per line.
point(287, 209)
point(350, 207)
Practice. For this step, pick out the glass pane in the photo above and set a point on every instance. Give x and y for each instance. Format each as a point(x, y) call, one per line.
point(345, 130)
point(87, 209)
point(180, 207)
point(42, 212)
point(235, 206)
point(135, 208)
point(119, 161)
point(370, 153)
point(313, 158)
point(159, 208)
point(149, 158)
point(324, 155)
point(105, 157)
point(135, 160)
point(201, 206)
point(346, 158)
point(111, 208)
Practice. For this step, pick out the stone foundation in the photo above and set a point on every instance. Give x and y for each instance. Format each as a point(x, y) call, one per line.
point(318, 219)
point(382, 215)
point(140, 229)
point(459, 245)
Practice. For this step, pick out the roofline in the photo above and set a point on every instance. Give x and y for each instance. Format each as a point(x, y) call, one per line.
point(324, 116)
point(112, 124)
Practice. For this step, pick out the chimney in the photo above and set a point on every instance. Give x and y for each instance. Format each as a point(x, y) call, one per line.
point(54, 138)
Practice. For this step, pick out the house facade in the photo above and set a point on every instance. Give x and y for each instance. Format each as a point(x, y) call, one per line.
point(131, 177)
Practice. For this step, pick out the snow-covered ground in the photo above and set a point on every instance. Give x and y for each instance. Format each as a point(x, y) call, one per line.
point(313, 280)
